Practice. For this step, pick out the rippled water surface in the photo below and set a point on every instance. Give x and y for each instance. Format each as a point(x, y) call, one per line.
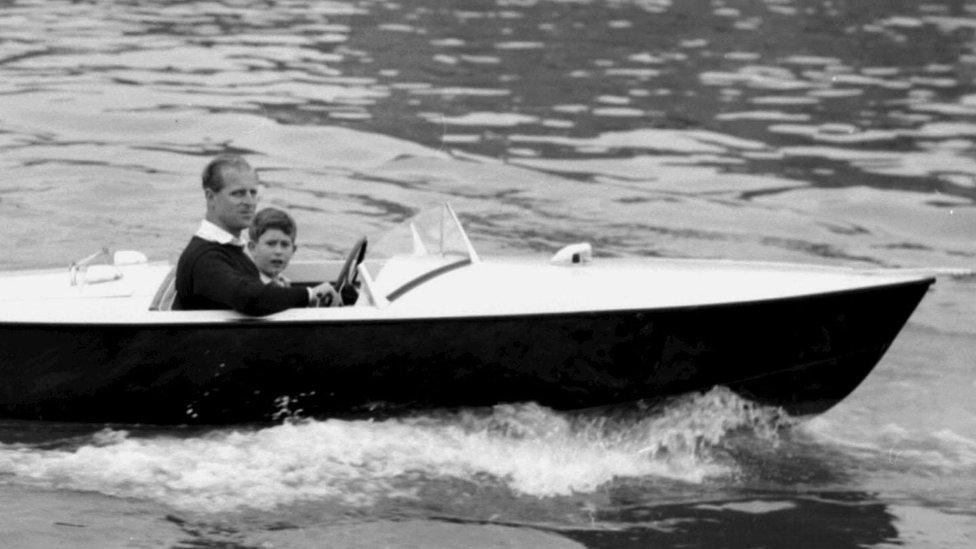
point(836, 132)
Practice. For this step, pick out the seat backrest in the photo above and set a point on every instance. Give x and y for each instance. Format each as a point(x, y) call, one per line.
point(166, 294)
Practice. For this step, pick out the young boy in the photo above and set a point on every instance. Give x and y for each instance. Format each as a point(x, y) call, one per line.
point(271, 244)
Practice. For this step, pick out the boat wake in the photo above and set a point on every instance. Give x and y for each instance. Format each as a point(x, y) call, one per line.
point(893, 447)
point(524, 449)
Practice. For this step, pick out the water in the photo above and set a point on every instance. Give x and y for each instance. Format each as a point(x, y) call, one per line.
point(813, 131)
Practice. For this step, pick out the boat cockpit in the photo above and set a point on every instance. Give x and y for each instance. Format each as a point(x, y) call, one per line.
point(428, 245)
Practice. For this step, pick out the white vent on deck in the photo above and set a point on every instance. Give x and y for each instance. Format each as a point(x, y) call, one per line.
point(578, 253)
point(129, 257)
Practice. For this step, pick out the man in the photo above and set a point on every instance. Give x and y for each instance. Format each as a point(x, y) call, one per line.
point(213, 271)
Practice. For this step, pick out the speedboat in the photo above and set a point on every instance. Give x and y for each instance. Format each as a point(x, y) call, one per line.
point(434, 325)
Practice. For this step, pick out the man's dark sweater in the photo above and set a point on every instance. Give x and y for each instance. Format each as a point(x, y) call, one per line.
point(221, 276)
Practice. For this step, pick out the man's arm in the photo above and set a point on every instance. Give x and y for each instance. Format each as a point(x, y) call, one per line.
point(217, 278)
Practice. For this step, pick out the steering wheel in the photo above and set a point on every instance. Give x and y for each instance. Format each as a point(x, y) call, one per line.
point(348, 282)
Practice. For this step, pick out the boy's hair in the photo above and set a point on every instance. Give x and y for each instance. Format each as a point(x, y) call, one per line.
point(272, 218)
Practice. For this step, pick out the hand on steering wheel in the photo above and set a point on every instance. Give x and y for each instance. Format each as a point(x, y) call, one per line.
point(347, 285)
point(326, 296)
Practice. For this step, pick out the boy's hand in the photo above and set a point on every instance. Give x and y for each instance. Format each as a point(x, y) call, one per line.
point(326, 296)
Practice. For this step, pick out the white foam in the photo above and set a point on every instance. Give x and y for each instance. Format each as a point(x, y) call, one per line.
point(532, 450)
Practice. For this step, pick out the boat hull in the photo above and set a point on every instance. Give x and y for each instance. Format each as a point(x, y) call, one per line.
point(804, 353)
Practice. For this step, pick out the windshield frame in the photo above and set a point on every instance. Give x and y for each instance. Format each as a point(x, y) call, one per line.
point(438, 244)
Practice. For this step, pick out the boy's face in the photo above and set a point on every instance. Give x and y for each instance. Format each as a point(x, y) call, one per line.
point(272, 251)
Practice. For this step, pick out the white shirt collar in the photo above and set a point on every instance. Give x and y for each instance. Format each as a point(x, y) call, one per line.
point(279, 279)
point(213, 233)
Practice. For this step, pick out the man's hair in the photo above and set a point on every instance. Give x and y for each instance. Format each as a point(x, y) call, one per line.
point(213, 174)
point(272, 218)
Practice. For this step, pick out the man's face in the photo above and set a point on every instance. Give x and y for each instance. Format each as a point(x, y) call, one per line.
point(232, 207)
point(272, 251)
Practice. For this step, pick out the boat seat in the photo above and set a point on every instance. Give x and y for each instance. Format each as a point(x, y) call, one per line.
point(166, 294)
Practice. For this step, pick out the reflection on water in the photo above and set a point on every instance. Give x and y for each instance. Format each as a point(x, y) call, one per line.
point(699, 470)
point(660, 112)
point(667, 475)
point(833, 519)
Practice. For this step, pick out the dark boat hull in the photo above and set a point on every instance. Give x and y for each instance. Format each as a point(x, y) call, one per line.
point(802, 353)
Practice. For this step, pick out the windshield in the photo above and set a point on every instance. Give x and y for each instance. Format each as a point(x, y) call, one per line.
point(431, 243)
